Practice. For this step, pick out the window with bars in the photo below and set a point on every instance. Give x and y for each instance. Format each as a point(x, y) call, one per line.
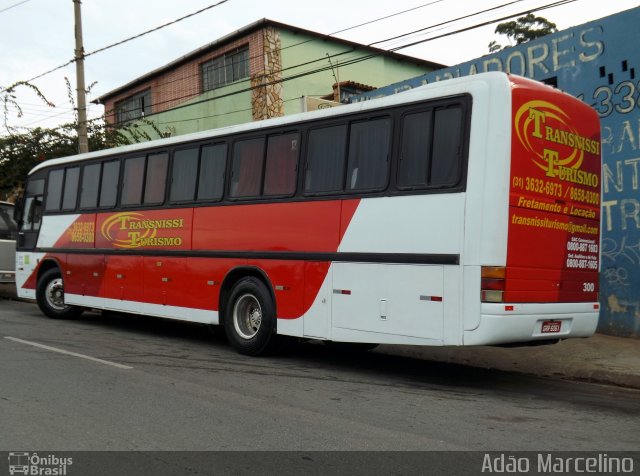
point(225, 69)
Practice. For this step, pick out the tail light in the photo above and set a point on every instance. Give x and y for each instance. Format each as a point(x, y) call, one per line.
point(492, 283)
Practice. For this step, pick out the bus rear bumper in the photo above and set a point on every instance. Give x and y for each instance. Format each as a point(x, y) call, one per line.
point(509, 323)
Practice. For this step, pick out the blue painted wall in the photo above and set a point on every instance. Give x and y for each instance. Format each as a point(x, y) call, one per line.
point(599, 62)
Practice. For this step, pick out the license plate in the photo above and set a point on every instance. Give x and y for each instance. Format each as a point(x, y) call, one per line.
point(550, 327)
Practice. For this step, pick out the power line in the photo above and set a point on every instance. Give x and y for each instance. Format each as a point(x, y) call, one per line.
point(358, 59)
point(447, 22)
point(125, 40)
point(544, 7)
point(200, 11)
point(366, 57)
point(14, 5)
point(156, 28)
point(207, 8)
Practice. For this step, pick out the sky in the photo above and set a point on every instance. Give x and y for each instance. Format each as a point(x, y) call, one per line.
point(38, 35)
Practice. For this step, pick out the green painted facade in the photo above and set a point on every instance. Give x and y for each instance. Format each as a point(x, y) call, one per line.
point(311, 52)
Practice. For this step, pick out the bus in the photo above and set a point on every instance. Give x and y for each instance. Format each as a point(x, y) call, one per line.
point(8, 236)
point(464, 212)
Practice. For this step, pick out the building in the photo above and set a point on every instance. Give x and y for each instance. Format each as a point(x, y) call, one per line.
point(266, 69)
point(598, 62)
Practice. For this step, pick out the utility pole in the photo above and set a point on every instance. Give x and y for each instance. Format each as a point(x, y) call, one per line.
point(83, 143)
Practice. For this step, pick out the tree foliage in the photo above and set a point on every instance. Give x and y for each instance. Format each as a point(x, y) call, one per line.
point(21, 149)
point(523, 29)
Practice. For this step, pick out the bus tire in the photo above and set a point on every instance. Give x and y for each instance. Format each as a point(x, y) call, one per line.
point(250, 318)
point(50, 296)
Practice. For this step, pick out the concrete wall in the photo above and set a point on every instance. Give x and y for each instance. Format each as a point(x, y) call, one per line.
point(599, 63)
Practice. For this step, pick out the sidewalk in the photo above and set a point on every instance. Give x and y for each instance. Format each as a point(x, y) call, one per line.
point(599, 359)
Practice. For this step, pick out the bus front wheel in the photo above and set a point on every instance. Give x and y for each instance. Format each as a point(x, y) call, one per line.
point(50, 296)
point(250, 317)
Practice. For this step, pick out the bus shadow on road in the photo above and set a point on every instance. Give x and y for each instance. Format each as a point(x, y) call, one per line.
point(304, 359)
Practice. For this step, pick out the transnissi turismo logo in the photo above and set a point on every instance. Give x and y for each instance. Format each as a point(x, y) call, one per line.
point(135, 230)
point(24, 462)
point(556, 147)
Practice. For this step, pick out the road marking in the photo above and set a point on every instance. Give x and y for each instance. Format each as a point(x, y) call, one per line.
point(66, 352)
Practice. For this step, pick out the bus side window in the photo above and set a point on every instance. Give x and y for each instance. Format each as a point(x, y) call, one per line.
point(282, 164)
point(90, 186)
point(430, 149)
point(32, 208)
point(184, 174)
point(213, 162)
point(325, 159)
point(415, 150)
point(447, 146)
point(70, 193)
point(32, 213)
point(109, 184)
point(156, 180)
point(132, 181)
point(54, 190)
point(246, 168)
point(369, 143)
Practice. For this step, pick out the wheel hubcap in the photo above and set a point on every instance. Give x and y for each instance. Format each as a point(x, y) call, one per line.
point(54, 294)
point(247, 316)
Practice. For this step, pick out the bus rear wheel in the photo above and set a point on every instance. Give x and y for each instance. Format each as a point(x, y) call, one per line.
point(250, 318)
point(50, 296)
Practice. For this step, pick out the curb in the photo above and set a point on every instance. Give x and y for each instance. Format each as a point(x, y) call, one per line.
point(519, 360)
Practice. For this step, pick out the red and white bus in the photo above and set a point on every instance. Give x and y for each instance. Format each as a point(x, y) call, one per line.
point(465, 212)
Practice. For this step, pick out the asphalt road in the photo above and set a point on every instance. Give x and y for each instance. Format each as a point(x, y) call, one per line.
point(165, 385)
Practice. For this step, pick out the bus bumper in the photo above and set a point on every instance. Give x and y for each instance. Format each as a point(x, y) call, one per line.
point(509, 323)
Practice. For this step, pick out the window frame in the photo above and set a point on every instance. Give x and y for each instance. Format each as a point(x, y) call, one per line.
point(144, 109)
point(208, 80)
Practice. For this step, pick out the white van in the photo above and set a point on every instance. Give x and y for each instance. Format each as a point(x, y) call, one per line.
point(8, 236)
